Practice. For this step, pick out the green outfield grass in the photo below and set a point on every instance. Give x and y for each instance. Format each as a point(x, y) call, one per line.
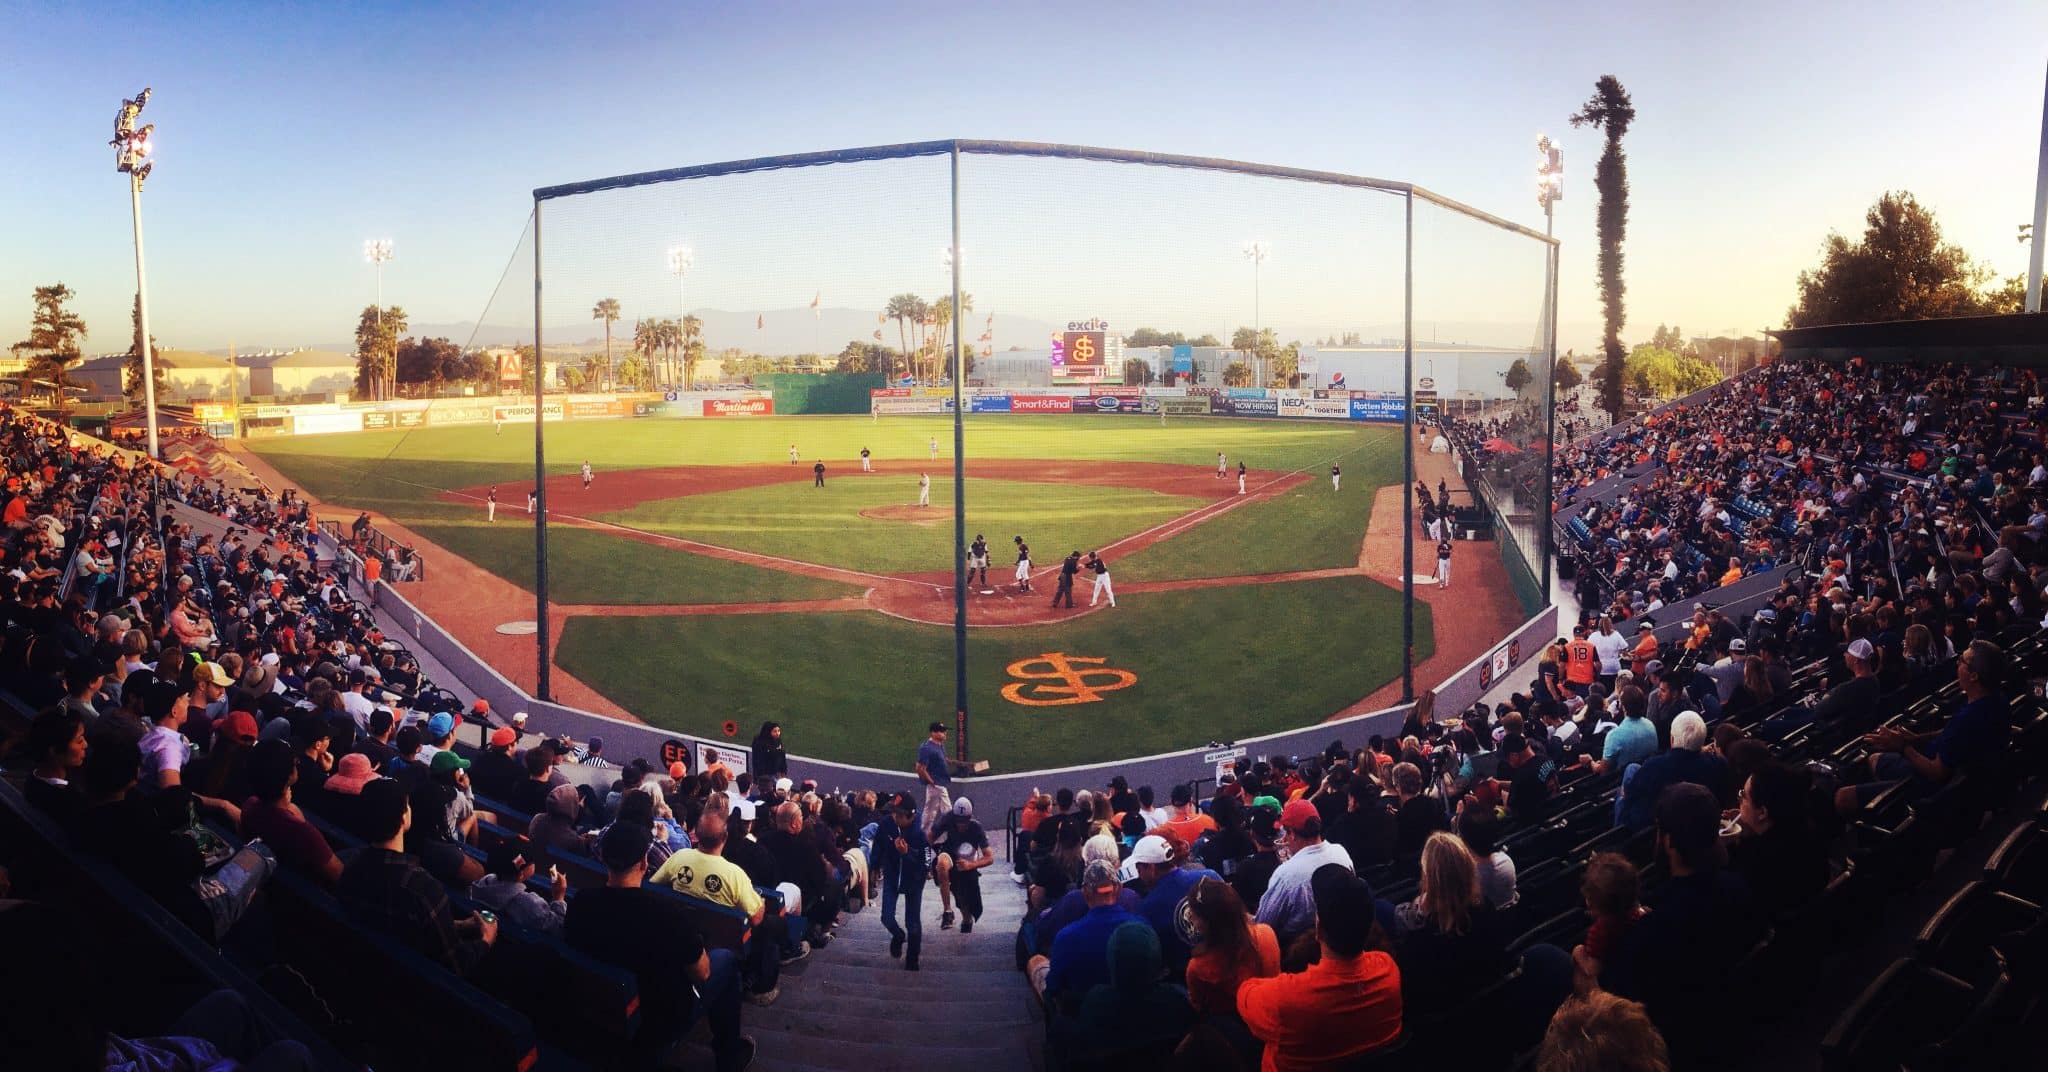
point(860, 687)
point(824, 525)
point(400, 474)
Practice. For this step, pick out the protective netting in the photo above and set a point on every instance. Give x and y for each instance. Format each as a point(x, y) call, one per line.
point(1134, 331)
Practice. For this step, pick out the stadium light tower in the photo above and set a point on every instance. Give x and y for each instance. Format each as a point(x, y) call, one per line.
point(377, 251)
point(132, 148)
point(1549, 191)
point(1256, 252)
point(680, 258)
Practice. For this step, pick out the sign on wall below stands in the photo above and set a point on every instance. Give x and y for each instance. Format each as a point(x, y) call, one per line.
point(1252, 407)
point(989, 404)
point(1294, 405)
point(459, 412)
point(1192, 405)
point(1247, 392)
point(735, 759)
point(1041, 404)
point(604, 408)
point(1379, 409)
point(899, 407)
point(888, 392)
point(1224, 761)
point(739, 407)
point(324, 423)
point(1330, 408)
point(213, 411)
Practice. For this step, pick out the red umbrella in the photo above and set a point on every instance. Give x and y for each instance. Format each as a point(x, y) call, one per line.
point(1500, 446)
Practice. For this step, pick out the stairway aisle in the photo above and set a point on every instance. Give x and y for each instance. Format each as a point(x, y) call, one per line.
point(851, 1006)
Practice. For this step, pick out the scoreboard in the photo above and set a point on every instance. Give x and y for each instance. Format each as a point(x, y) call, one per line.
point(1087, 352)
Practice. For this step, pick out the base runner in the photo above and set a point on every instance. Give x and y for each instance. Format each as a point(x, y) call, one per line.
point(1023, 564)
point(1102, 586)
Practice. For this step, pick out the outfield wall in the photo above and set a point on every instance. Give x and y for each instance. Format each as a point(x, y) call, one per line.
point(626, 740)
point(1327, 405)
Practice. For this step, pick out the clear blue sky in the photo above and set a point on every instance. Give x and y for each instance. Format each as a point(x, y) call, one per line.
point(288, 135)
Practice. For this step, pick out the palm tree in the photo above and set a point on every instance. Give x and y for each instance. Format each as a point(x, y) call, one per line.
point(607, 310)
point(692, 342)
point(1611, 111)
point(903, 307)
point(942, 316)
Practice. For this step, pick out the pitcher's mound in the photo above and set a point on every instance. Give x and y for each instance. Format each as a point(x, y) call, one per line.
point(923, 515)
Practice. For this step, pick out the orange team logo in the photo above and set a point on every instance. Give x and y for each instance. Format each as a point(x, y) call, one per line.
point(1083, 680)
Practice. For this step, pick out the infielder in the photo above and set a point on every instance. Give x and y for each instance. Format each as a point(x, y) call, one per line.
point(924, 489)
point(531, 495)
point(1336, 477)
point(865, 466)
point(1023, 564)
point(586, 476)
point(1102, 586)
point(935, 446)
point(1219, 465)
point(977, 559)
point(1240, 478)
point(792, 454)
point(1443, 563)
point(491, 504)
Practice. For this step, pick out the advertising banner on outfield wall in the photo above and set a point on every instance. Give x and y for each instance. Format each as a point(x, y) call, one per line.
point(1379, 409)
point(1251, 407)
point(600, 408)
point(739, 407)
point(1195, 405)
point(1292, 404)
point(889, 392)
point(989, 404)
point(1247, 392)
point(1041, 404)
point(322, 423)
point(523, 414)
point(1330, 408)
point(458, 412)
point(899, 407)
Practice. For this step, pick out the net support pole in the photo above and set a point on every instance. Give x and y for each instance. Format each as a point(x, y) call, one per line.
point(959, 368)
point(1545, 536)
point(1409, 431)
point(541, 690)
point(2034, 254)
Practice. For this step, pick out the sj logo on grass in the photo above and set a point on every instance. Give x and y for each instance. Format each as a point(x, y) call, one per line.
point(1081, 679)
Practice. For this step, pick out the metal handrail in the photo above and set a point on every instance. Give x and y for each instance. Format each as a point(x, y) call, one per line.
point(378, 542)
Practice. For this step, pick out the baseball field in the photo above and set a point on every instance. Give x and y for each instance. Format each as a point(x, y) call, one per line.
point(703, 577)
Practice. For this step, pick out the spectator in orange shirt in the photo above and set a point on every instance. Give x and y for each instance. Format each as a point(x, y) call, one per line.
point(1582, 662)
point(1231, 949)
point(1646, 647)
point(1187, 822)
point(1345, 1005)
point(1734, 572)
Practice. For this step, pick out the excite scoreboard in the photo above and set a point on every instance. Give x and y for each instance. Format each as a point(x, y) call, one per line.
point(1087, 353)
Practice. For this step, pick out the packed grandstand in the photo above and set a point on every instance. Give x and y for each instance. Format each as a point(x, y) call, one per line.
point(229, 790)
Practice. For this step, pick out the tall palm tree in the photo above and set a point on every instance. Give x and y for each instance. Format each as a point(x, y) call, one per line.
point(942, 317)
point(692, 343)
point(607, 310)
point(1610, 111)
point(903, 307)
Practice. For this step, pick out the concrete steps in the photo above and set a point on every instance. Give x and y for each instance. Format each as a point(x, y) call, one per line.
point(852, 1006)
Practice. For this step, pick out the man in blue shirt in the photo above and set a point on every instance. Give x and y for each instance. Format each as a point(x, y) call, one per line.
point(1634, 740)
point(1685, 762)
point(1975, 732)
point(901, 856)
point(1080, 952)
point(931, 770)
point(1163, 885)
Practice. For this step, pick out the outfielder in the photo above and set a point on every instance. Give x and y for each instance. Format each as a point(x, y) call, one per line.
point(935, 446)
point(1336, 477)
point(491, 504)
point(792, 454)
point(977, 559)
point(1102, 586)
point(1219, 465)
point(865, 466)
point(1023, 564)
point(924, 489)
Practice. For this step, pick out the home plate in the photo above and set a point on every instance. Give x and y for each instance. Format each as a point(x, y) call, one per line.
point(519, 628)
point(988, 591)
point(1431, 579)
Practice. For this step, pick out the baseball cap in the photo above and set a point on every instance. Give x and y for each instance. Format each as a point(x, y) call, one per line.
point(964, 808)
point(1151, 849)
point(482, 707)
point(240, 726)
point(1298, 813)
point(519, 718)
point(1100, 875)
point(745, 807)
point(784, 785)
point(1738, 644)
point(1267, 802)
point(504, 735)
point(447, 760)
point(440, 726)
point(936, 727)
point(213, 672)
point(1645, 626)
point(678, 771)
point(1860, 648)
point(1653, 667)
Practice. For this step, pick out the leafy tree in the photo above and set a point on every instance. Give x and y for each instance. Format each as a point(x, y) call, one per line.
point(1518, 375)
point(1568, 377)
point(573, 377)
point(52, 345)
point(866, 357)
point(632, 368)
point(1138, 371)
point(607, 310)
point(2007, 297)
point(1659, 372)
point(1205, 339)
point(431, 363)
point(1610, 111)
point(1237, 374)
point(131, 368)
point(1900, 270)
point(377, 350)
point(1152, 337)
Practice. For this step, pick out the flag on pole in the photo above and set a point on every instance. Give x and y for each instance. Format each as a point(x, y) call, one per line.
point(814, 303)
point(760, 321)
point(878, 334)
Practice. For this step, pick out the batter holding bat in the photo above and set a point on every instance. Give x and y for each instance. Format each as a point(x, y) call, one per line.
point(1023, 564)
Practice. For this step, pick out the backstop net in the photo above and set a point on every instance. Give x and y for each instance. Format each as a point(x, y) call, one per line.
point(842, 381)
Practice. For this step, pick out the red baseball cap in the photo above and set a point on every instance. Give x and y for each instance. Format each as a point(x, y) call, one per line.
point(239, 726)
point(1297, 814)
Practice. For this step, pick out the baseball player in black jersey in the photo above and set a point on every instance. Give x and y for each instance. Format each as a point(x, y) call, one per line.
point(1023, 564)
point(1102, 587)
point(977, 559)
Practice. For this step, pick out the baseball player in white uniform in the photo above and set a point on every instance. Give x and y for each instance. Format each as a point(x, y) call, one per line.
point(1023, 564)
point(865, 465)
point(924, 489)
point(1219, 465)
point(792, 454)
point(1102, 586)
point(935, 446)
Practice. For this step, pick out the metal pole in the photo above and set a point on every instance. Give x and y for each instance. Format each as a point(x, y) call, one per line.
point(2040, 217)
point(377, 382)
point(959, 493)
point(142, 316)
point(1408, 430)
point(1545, 545)
point(540, 471)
